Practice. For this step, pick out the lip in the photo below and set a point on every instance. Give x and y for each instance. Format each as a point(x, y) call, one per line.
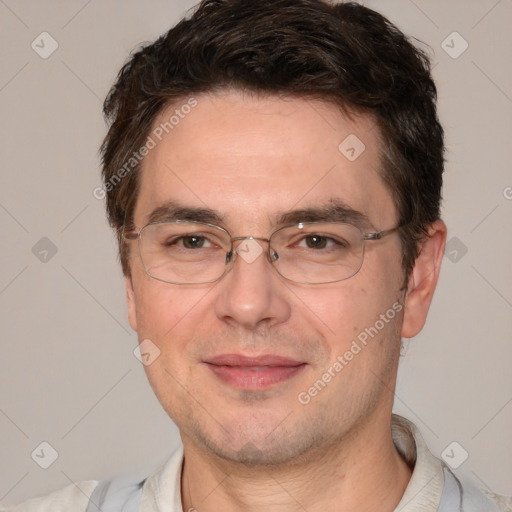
point(253, 373)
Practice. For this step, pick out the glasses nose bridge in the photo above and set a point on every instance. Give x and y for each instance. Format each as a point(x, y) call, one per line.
point(235, 243)
point(249, 237)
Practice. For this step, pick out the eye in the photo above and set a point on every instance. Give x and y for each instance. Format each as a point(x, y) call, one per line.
point(192, 241)
point(316, 241)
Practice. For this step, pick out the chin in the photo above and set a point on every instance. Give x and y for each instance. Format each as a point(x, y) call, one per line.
point(263, 444)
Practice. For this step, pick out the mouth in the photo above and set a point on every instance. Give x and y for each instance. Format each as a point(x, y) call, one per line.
point(253, 373)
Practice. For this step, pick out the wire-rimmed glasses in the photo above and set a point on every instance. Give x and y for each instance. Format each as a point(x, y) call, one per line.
point(185, 252)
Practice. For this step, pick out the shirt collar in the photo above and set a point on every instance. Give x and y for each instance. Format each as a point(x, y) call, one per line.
point(423, 492)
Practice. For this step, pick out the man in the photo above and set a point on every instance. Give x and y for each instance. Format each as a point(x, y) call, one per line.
point(273, 173)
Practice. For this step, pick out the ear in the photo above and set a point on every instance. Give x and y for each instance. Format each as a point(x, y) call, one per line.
point(131, 302)
point(423, 280)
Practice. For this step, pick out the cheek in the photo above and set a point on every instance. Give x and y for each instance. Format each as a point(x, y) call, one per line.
point(353, 306)
point(172, 316)
point(159, 307)
point(165, 317)
point(154, 309)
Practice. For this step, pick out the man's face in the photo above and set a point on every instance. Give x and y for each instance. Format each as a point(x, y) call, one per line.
point(251, 160)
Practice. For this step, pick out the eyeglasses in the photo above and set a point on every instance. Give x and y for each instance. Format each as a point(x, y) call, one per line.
point(184, 252)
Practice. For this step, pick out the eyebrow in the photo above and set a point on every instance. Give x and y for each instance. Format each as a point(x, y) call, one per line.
point(171, 211)
point(335, 210)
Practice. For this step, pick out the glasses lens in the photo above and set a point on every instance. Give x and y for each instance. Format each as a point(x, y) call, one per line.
point(184, 252)
point(318, 252)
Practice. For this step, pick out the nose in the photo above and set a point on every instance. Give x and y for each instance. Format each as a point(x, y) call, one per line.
point(252, 294)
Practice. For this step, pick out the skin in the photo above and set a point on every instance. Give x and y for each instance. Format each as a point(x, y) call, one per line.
point(252, 158)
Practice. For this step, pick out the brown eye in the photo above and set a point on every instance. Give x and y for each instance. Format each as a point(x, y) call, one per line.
point(316, 242)
point(193, 242)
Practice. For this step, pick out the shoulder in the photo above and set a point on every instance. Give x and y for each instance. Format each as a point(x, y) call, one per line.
point(123, 493)
point(504, 503)
point(476, 500)
point(73, 497)
point(462, 494)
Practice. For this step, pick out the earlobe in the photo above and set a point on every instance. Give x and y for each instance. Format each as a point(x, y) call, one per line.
point(131, 302)
point(423, 280)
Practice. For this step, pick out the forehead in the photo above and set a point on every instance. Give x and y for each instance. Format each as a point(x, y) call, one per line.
point(253, 158)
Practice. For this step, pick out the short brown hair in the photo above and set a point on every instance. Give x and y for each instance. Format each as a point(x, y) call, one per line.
point(343, 53)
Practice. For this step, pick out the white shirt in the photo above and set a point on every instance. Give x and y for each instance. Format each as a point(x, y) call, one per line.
point(432, 487)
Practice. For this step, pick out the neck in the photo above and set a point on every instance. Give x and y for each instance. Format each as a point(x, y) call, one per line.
point(359, 473)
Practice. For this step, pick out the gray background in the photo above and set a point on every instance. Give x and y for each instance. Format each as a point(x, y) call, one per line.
point(68, 373)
